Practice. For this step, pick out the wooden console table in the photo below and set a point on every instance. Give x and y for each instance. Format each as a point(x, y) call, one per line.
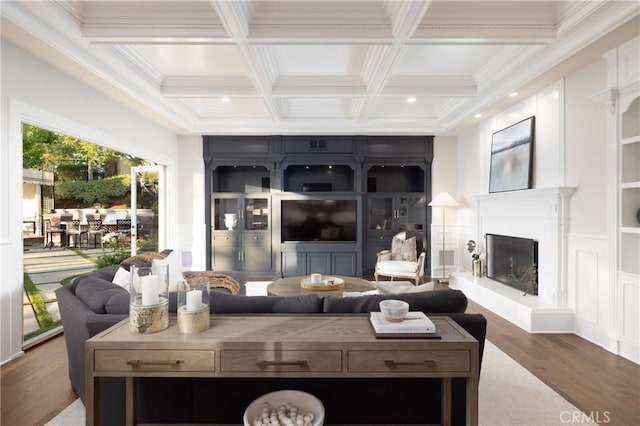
point(282, 346)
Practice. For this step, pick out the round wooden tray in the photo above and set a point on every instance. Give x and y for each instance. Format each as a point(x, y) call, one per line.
point(328, 284)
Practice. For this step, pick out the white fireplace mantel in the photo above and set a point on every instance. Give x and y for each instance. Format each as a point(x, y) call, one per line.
point(541, 214)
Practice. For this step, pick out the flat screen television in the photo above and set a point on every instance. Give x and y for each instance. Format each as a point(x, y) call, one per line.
point(319, 220)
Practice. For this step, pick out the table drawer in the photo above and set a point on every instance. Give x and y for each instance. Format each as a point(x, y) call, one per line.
point(264, 361)
point(154, 360)
point(398, 361)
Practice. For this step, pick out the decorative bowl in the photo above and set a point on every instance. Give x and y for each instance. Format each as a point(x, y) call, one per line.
point(302, 400)
point(394, 310)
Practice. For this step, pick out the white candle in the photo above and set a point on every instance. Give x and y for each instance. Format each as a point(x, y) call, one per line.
point(194, 300)
point(316, 278)
point(149, 284)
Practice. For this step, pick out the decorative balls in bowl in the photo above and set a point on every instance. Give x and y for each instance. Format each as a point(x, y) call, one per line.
point(394, 310)
point(285, 407)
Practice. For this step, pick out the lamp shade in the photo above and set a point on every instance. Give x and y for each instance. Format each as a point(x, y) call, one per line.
point(443, 199)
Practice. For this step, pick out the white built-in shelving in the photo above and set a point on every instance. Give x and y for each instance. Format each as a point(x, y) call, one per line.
point(623, 101)
point(629, 207)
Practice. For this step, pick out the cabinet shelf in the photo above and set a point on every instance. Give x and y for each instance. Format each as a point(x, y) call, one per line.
point(630, 230)
point(630, 185)
point(630, 140)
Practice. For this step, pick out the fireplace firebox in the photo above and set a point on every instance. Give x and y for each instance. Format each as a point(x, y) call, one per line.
point(513, 261)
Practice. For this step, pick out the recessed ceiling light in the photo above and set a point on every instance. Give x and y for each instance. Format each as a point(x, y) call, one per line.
point(226, 100)
point(478, 115)
point(513, 94)
point(411, 100)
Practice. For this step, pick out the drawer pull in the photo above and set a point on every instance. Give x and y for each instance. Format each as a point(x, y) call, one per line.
point(140, 363)
point(265, 363)
point(391, 363)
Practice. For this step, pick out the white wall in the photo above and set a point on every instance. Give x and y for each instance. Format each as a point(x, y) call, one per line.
point(444, 173)
point(35, 92)
point(191, 199)
point(586, 148)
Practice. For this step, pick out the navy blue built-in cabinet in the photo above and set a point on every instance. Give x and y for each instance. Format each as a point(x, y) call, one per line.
point(295, 205)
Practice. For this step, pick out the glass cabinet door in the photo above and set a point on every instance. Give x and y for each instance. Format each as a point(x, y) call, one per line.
point(256, 214)
point(225, 214)
point(410, 213)
point(380, 213)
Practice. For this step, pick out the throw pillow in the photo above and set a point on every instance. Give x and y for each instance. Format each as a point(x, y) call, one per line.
point(175, 271)
point(216, 280)
point(142, 259)
point(404, 249)
point(359, 293)
point(122, 278)
point(394, 288)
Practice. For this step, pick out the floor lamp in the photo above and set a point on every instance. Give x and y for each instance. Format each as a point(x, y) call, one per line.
point(444, 200)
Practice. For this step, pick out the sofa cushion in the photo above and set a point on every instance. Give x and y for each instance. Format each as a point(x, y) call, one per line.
point(397, 266)
point(225, 303)
point(118, 304)
point(95, 292)
point(430, 302)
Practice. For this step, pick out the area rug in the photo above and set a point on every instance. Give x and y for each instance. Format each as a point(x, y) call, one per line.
point(509, 395)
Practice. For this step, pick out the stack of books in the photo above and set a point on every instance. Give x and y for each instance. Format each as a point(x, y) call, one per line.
point(416, 324)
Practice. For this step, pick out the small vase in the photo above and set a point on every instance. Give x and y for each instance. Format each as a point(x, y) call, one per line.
point(477, 267)
point(230, 221)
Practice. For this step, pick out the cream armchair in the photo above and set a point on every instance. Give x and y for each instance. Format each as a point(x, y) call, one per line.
point(390, 264)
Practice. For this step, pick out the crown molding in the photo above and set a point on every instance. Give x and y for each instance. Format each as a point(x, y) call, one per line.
point(268, 65)
point(440, 86)
point(503, 63)
point(319, 86)
point(137, 62)
point(376, 55)
point(574, 12)
point(200, 87)
point(406, 16)
point(282, 33)
point(485, 33)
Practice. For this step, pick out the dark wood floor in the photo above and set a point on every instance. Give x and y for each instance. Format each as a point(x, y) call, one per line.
point(35, 387)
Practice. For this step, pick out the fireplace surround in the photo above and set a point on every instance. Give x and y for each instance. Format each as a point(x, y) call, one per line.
point(540, 214)
point(513, 261)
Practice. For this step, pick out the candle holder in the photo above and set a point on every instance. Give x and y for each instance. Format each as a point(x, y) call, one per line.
point(149, 303)
point(193, 305)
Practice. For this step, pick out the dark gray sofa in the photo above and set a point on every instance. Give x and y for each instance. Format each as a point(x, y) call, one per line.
point(92, 304)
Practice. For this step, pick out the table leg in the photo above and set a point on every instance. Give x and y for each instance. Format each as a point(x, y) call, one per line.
point(446, 401)
point(91, 393)
point(472, 400)
point(129, 403)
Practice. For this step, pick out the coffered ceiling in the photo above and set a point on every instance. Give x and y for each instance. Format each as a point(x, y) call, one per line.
point(212, 67)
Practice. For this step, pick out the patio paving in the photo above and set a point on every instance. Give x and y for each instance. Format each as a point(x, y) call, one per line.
point(48, 290)
point(29, 322)
point(46, 269)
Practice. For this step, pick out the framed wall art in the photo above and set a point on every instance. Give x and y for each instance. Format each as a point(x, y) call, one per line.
point(512, 157)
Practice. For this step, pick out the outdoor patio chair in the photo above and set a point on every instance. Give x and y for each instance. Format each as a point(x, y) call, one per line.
point(123, 230)
point(54, 227)
point(75, 229)
point(95, 230)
